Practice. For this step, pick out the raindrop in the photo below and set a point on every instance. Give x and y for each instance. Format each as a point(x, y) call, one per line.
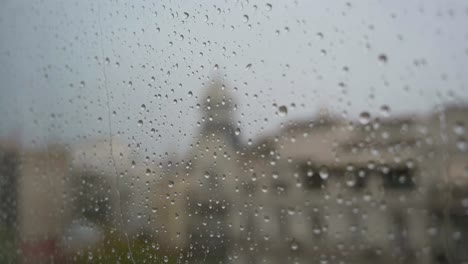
point(324, 173)
point(245, 18)
point(350, 179)
point(459, 128)
point(294, 246)
point(364, 118)
point(283, 110)
point(268, 7)
point(140, 122)
point(462, 145)
point(385, 109)
point(383, 58)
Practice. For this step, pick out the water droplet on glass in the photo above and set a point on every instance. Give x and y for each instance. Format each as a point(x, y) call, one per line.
point(383, 58)
point(268, 7)
point(459, 128)
point(385, 109)
point(294, 246)
point(462, 145)
point(350, 179)
point(245, 18)
point(324, 173)
point(283, 110)
point(140, 122)
point(364, 118)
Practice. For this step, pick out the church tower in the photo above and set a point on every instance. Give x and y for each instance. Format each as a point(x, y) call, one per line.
point(218, 112)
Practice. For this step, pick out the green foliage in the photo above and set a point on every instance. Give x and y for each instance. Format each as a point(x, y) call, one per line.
point(115, 249)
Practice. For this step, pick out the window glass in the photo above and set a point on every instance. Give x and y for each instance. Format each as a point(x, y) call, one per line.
point(282, 131)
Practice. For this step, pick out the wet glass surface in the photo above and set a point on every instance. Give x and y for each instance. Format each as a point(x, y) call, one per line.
point(233, 132)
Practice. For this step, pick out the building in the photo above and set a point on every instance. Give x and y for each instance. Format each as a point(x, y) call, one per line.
point(324, 189)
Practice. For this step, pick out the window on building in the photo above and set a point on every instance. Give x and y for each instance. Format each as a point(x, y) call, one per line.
point(399, 178)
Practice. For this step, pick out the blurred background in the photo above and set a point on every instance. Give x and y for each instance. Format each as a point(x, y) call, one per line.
point(233, 132)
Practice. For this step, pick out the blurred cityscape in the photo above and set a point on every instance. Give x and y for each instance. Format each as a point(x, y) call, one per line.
point(318, 190)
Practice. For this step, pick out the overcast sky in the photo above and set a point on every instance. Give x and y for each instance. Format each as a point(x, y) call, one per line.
point(64, 63)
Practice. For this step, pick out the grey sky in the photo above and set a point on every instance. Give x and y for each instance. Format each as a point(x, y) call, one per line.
point(179, 44)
